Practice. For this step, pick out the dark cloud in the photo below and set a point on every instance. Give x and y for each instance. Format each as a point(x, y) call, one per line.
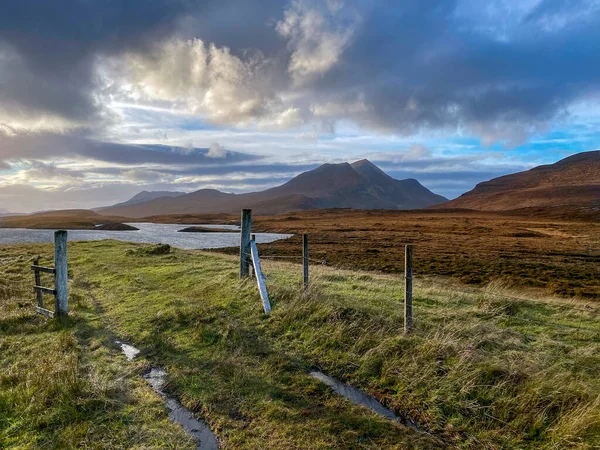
point(48, 146)
point(394, 65)
point(48, 49)
point(417, 65)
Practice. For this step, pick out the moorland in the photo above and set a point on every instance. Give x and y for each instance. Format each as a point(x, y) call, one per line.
point(487, 368)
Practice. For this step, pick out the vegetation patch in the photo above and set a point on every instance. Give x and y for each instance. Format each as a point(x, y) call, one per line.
point(198, 229)
point(480, 370)
point(116, 227)
point(150, 250)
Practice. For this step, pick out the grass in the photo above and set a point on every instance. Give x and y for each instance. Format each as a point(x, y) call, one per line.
point(64, 385)
point(557, 256)
point(482, 369)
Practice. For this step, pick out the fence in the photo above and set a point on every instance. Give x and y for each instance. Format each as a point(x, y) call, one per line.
point(61, 288)
point(250, 266)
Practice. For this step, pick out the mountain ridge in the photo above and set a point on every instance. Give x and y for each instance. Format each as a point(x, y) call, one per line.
point(572, 182)
point(361, 185)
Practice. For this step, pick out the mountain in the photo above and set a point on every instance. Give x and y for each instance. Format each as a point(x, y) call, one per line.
point(571, 183)
point(361, 185)
point(5, 212)
point(144, 196)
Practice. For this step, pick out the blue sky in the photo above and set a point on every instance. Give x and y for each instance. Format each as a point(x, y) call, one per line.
point(100, 100)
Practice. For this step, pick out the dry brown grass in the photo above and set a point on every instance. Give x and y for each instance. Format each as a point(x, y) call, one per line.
point(556, 256)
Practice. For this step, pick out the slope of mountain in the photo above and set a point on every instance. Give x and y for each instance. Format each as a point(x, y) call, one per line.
point(361, 185)
point(573, 182)
point(145, 196)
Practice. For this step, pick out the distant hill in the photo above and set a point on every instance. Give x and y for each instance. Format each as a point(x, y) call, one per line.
point(361, 185)
point(145, 196)
point(571, 184)
point(73, 219)
point(5, 212)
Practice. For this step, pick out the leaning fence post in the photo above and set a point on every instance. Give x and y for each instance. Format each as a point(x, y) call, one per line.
point(38, 282)
point(408, 272)
point(245, 242)
point(61, 280)
point(305, 259)
point(260, 280)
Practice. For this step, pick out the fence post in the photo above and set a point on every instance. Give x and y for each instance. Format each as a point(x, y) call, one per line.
point(408, 273)
point(245, 243)
point(305, 259)
point(38, 282)
point(61, 279)
point(252, 271)
point(260, 280)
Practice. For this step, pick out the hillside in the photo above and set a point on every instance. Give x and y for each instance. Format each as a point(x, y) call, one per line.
point(361, 185)
point(572, 183)
point(67, 219)
point(145, 196)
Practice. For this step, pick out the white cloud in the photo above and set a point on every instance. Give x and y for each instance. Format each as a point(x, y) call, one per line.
point(202, 79)
point(317, 36)
point(216, 151)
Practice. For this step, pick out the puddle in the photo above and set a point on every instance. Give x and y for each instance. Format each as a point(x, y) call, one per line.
point(360, 398)
point(129, 351)
point(178, 413)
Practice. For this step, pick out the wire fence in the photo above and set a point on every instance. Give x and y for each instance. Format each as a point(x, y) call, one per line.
point(485, 294)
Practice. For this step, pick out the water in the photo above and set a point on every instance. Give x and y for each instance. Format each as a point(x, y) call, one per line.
point(129, 351)
point(360, 398)
point(149, 233)
point(178, 413)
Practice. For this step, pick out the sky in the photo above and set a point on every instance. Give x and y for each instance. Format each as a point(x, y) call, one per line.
point(100, 100)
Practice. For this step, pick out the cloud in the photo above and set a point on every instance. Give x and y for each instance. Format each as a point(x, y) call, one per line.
point(48, 146)
point(49, 50)
point(317, 34)
point(501, 71)
point(216, 151)
point(145, 176)
point(40, 171)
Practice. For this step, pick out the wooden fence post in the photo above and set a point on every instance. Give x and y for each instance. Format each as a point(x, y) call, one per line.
point(408, 273)
point(252, 271)
point(245, 243)
point(61, 286)
point(38, 282)
point(305, 259)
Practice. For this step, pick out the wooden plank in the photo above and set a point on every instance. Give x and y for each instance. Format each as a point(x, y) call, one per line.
point(61, 282)
point(44, 311)
point(44, 290)
point(246, 224)
point(408, 274)
point(38, 282)
point(37, 268)
point(305, 259)
point(262, 288)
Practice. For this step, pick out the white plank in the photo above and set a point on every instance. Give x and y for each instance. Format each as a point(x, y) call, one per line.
point(259, 278)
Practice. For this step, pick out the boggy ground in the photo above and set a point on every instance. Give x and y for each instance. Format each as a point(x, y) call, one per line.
point(559, 256)
point(481, 369)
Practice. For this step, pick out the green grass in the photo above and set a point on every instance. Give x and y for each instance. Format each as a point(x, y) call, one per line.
point(63, 384)
point(481, 369)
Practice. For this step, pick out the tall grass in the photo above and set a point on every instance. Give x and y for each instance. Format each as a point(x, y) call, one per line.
point(63, 384)
point(483, 369)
